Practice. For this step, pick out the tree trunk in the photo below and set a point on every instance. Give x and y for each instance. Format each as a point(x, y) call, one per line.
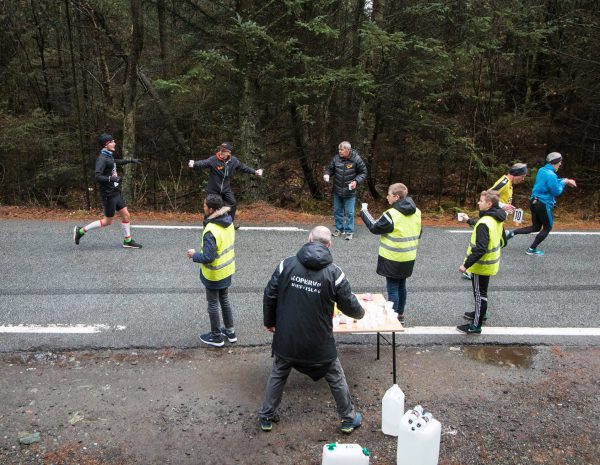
point(41, 43)
point(251, 146)
point(130, 90)
point(315, 191)
point(82, 151)
point(168, 119)
point(369, 118)
point(163, 38)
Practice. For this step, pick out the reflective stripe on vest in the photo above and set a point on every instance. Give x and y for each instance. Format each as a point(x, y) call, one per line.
point(224, 263)
point(489, 264)
point(401, 244)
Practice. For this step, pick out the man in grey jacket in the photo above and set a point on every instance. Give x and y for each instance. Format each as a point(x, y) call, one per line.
point(348, 171)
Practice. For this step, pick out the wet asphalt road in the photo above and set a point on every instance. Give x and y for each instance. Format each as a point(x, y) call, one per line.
point(152, 297)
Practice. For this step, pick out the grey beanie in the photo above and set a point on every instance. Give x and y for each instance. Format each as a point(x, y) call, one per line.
point(553, 158)
point(518, 169)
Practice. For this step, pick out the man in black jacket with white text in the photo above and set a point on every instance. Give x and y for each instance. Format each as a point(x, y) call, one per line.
point(298, 307)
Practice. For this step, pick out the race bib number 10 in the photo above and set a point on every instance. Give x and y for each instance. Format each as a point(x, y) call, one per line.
point(518, 216)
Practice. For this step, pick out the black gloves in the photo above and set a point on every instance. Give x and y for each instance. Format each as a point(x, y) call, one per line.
point(137, 161)
point(115, 178)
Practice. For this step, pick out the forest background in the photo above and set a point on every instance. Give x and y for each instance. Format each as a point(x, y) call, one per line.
point(441, 95)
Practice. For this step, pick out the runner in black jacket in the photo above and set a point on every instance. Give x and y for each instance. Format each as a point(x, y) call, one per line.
point(110, 193)
point(221, 168)
point(298, 306)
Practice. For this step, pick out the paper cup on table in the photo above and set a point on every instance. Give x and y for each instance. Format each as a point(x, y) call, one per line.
point(389, 309)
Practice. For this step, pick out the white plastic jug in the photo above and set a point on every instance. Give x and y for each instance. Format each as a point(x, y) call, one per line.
point(418, 445)
point(345, 454)
point(392, 409)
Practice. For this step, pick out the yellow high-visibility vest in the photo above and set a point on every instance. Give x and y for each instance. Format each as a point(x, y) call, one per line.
point(224, 263)
point(489, 264)
point(401, 244)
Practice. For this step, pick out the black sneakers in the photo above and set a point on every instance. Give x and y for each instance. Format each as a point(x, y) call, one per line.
point(212, 339)
point(469, 329)
point(401, 317)
point(230, 335)
point(131, 244)
point(266, 424)
point(77, 234)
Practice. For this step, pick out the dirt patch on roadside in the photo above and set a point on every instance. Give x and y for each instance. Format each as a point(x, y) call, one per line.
point(261, 213)
point(199, 406)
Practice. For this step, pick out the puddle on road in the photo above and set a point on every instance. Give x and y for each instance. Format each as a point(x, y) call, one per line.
point(513, 357)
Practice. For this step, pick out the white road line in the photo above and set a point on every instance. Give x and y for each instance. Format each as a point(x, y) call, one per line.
point(243, 228)
point(505, 331)
point(59, 329)
point(558, 233)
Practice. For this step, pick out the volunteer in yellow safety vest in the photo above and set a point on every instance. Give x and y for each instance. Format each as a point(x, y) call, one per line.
point(217, 266)
point(483, 256)
point(400, 231)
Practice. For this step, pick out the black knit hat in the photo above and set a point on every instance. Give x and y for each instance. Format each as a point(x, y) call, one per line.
point(104, 139)
point(553, 158)
point(226, 146)
point(518, 169)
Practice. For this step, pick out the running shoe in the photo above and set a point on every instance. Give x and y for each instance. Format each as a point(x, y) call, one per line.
point(537, 252)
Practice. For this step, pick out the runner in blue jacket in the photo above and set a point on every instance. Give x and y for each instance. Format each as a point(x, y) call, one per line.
point(546, 188)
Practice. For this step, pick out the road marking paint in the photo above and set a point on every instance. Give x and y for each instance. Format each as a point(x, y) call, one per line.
point(504, 331)
point(558, 233)
point(242, 228)
point(59, 329)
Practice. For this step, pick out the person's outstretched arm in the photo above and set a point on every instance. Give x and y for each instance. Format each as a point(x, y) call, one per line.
point(199, 164)
point(383, 225)
point(346, 301)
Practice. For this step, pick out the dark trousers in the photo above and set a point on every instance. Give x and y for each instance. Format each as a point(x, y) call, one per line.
point(541, 219)
point(279, 375)
point(229, 200)
point(214, 297)
point(396, 291)
point(480, 287)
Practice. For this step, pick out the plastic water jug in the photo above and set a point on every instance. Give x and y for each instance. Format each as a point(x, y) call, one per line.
point(418, 445)
point(345, 454)
point(392, 409)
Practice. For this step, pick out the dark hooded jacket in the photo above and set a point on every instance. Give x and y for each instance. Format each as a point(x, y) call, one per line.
point(385, 225)
point(345, 170)
point(482, 236)
point(209, 247)
point(220, 172)
point(106, 166)
point(299, 302)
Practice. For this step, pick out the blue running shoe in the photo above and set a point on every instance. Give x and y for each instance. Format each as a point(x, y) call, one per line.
point(531, 251)
point(350, 425)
